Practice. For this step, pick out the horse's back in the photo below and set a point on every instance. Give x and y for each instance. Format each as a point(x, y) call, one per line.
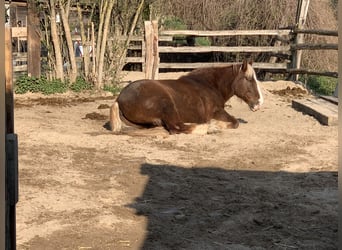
point(143, 91)
point(140, 88)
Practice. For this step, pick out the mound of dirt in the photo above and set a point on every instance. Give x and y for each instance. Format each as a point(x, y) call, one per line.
point(294, 91)
point(96, 116)
point(103, 106)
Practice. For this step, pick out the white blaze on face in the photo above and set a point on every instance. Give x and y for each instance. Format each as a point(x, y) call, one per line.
point(261, 98)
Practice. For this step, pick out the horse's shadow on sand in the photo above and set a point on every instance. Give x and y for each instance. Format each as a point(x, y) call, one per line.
point(212, 208)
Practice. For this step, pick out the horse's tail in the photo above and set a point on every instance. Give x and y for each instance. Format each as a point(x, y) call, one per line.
point(114, 118)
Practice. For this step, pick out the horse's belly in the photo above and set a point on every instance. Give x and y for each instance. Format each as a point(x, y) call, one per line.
point(150, 102)
point(141, 102)
point(193, 115)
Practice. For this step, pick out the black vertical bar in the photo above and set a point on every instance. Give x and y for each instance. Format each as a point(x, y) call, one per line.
point(11, 189)
point(11, 148)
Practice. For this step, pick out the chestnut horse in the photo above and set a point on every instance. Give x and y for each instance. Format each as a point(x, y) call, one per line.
point(183, 104)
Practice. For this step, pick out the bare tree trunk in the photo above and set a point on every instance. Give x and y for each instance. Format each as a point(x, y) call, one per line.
point(93, 71)
point(103, 8)
point(55, 40)
point(86, 59)
point(73, 73)
point(130, 34)
point(102, 49)
point(67, 8)
point(49, 48)
point(33, 40)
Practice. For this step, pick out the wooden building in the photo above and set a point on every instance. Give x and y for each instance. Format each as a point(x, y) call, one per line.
point(23, 18)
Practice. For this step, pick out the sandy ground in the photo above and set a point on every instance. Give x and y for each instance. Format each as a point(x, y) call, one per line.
point(270, 184)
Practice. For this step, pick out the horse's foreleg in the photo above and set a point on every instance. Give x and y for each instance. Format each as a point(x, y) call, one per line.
point(199, 129)
point(178, 128)
point(224, 120)
point(114, 118)
point(233, 122)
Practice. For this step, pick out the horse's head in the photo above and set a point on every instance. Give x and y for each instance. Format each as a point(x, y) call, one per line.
point(246, 86)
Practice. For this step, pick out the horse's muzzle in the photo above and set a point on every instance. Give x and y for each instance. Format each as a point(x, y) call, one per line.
point(255, 107)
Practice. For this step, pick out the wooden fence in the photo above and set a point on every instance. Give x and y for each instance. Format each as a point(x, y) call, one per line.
point(225, 49)
point(147, 50)
point(282, 48)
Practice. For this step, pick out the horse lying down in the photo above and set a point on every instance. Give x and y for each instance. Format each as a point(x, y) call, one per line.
point(188, 104)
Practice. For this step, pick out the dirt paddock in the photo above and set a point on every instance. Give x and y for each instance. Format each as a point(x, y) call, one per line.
point(270, 184)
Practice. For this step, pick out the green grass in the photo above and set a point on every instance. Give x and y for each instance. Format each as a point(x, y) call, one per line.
point(81, 85)
point(26, 84)
point(321, 85)
point(115, 90)
point(174, 23)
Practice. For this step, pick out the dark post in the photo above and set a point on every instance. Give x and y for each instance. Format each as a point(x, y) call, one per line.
point(2, 129)
point(11, 148)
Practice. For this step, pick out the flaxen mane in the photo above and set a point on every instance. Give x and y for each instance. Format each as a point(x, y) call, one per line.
point(250, 73)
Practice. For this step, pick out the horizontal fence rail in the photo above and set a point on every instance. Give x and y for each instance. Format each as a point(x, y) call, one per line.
point(327, 46)
point(317, 32)
point(239, 49)
point(272, 66)
point(225, 32)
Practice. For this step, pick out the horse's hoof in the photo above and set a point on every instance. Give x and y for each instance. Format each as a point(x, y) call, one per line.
point(233, 125)
point(236, 125)
point(212, 131)
point(200, 129)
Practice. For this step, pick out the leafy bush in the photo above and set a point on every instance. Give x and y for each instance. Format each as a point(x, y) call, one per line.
point(202, 41)
point(322, 84)
point(26, 84)
point(174, 23)
point(80, 85)
point(112, 88)
point(53, 87)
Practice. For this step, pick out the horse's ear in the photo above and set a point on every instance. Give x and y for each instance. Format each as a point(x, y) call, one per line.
point(250, 62)
point(244, 66)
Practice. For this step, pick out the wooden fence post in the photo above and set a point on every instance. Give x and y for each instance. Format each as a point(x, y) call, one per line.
point(302, 11)
point(155, 68)
point(148, 50)
point(152, 53)
point(143, 55)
